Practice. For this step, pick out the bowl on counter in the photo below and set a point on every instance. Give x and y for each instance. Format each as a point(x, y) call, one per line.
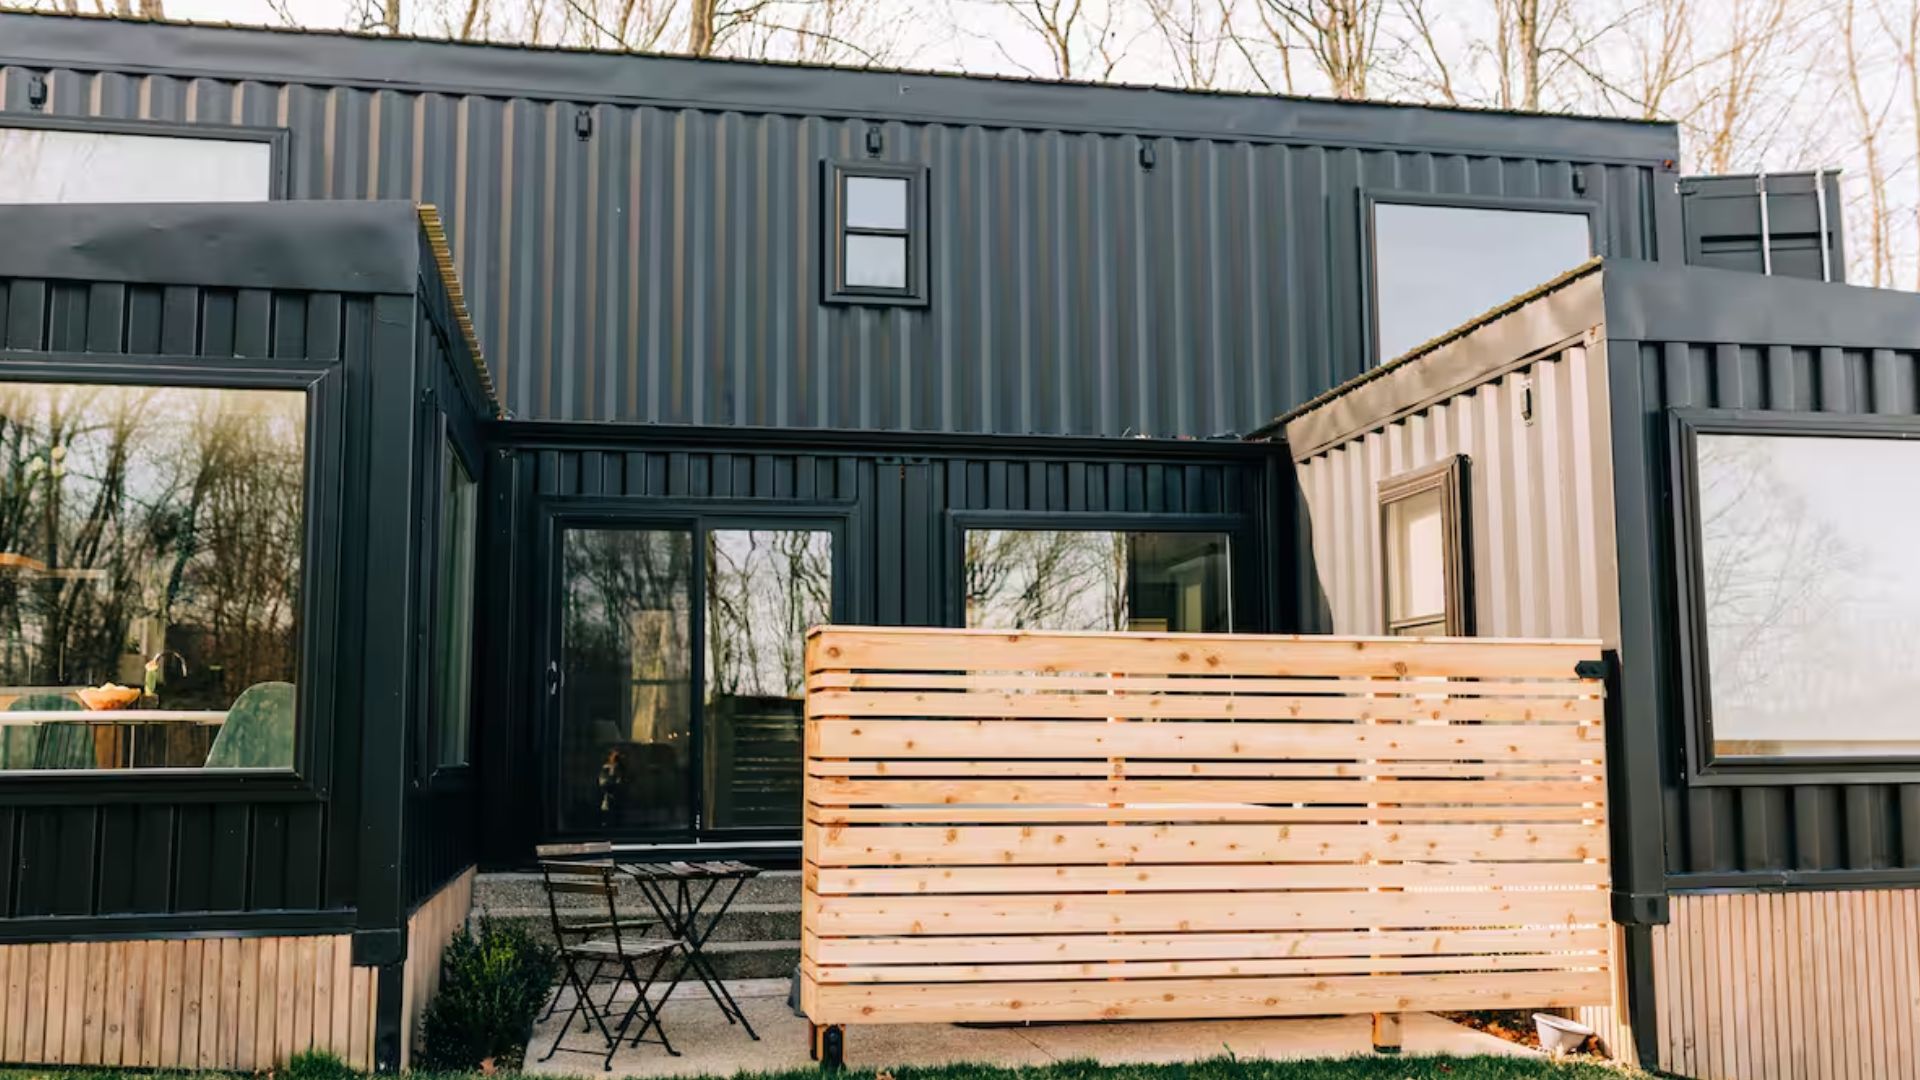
point(108, 697)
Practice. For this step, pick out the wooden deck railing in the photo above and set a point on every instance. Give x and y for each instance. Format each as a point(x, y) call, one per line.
point(1040, 826)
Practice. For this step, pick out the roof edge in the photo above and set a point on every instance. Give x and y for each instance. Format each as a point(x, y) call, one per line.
point(279, 55)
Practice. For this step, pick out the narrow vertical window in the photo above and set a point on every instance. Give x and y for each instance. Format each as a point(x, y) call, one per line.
point(1424, 552)
point(875, 235)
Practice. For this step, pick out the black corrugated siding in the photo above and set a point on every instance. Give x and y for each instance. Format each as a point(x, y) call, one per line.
point(665, 268)
point(1758, 830)
point(897, 532)
point(144, 852)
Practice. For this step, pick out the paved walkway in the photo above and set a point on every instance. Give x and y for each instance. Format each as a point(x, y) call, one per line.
point(709, 1046)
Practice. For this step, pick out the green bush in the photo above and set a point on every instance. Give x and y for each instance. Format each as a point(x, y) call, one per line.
point(317, 1065)
point(492, 987)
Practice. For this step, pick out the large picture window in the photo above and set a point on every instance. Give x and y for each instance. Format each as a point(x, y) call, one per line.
point(43, 164)
point(1041, 579)
point(151, 546)
point(1806, 594)
point(1436, 266)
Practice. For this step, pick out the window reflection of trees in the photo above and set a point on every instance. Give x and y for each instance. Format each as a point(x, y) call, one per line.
point(1096, 580)
point(1809, 635)
point(141, 522)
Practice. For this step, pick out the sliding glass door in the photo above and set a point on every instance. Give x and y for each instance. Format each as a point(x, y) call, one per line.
point(675, 677)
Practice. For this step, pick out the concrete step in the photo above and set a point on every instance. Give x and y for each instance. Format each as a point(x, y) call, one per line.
point(742, 922)
point(515, 889)
point(733, 959)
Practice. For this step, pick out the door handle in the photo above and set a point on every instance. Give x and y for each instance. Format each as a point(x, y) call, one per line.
point(553, 677)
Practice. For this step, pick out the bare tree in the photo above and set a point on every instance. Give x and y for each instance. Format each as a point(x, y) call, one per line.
point(1340, 37)
point(1198, 35)
point(1870, 117)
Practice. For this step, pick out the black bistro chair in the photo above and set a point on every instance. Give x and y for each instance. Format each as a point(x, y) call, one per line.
point(614, 947)
point(573, 925)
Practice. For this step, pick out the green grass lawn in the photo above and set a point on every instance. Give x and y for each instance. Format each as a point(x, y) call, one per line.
point(1371, 1067)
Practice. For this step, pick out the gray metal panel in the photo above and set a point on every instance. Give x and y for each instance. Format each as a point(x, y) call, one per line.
point(665, 268)
point(1725, 223)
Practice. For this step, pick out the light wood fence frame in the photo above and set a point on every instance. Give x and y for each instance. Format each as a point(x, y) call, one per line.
point(1089, 826)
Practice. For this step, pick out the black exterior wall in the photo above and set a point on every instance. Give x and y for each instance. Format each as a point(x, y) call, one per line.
point(1778, 349)
point(899, 499)
point(1104, 260)
point(344, 299)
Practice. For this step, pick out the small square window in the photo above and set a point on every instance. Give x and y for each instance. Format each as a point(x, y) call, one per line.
point(874, 233)
point(877, 202)
point(876, 262)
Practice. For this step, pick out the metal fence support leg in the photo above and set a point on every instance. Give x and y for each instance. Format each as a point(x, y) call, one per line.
point(1386, 1033)
point(829, 1046)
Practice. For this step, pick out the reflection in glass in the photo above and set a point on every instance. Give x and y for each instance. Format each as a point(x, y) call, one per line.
point(876, 202)
point(453, 616)
point(626, 680)
point(765, 587)
point(150, 550)
point(877, 262)
point(1416, 564)
point(1812, 594)
point(1435, 267)
point(46, 165)
point(1045, 580)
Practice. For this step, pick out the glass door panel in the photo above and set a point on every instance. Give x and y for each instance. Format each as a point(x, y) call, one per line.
point(764, 588)
point(625, 681)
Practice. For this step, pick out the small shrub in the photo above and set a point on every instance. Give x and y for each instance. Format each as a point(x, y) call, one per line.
point(316, 1065)
point(492, 987)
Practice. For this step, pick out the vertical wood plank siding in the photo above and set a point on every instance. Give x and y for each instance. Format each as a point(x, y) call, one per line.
point(1758, 833)
point(234, 1004)
point(1541, 520)
point(1815, 985)
point(428, 932)
point(182, 854)
point(665, 268)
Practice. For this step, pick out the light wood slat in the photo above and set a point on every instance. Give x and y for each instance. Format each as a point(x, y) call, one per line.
point(1158, 999)
point(906, 649)
point(15, 1036)
point(1087, 948)
point(1222, 707)
point(849, 916)
point(912, 845)
point(1237, 685)
point(1190, 814)
point(839, 791)
point(1797, 984)
point(1263, 770)
point(1167, 969)
point(1199, 739)
point(1067, 880)
point(1068, 826)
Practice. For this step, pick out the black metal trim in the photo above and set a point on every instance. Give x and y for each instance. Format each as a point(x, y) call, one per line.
point(534, 435)
point(1703, 767)
point(1370, 197)
point(279, 139)
point(321, 383)
point(1742, 881)
point(176, 925)
point(834, 231)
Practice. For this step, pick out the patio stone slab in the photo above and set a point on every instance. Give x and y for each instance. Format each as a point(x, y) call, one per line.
point(708, 1045)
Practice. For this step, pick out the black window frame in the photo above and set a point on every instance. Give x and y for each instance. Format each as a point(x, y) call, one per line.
point(279, 139)
point(1451, 477)
point(1369, 275)
point(698, 517)
point(322, 507)
point(1244, 606)
point(445, 439)
point(1703, 767)
point(834, 231)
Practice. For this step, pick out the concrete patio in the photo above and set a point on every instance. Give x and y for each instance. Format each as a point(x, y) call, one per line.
point(709, 1046)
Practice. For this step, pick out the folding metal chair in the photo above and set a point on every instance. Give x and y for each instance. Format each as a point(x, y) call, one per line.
point(570, 928)
point(630, 958)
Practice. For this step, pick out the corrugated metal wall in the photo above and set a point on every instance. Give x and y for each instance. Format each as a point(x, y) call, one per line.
point(1754, 832)
point(178, 850)
point(898, 526)
point(1542, 530)
point(665, 267)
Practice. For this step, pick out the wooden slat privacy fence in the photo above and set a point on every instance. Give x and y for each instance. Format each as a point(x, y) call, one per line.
point(1054, 826)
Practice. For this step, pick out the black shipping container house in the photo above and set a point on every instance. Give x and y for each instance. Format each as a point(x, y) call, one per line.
point(771, 345)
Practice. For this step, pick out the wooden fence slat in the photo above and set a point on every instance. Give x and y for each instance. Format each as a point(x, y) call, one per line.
point(1043, 826)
